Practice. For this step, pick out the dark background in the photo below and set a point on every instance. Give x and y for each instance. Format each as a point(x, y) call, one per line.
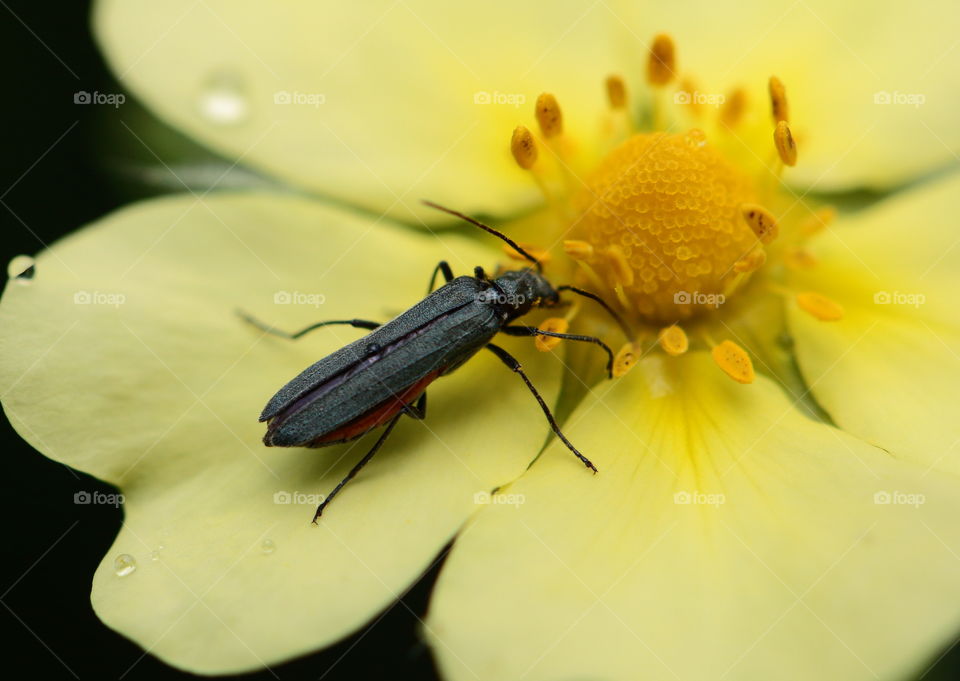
point(65, 165)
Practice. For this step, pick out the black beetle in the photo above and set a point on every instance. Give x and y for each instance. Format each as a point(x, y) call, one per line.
point(376, 379)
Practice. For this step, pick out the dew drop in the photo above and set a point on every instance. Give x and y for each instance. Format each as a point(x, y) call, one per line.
point(696, 138)
point(223, 100)
point(124, 565)
point(267, 547)
point(22, 269)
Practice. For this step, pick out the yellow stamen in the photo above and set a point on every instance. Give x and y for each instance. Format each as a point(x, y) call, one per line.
point(549, 116)
point(625, 359)
point(819, 306)
point(734, 361)
point(662, 63)
point(778, 101)
point(761, 221)
point(621, 296)
point(578, 250)
point(588, 277)
point(540, 254)
point(619, 265)
point(818, 221)
point(786, 147)
point(733, 108)
point(797, 258)
point(673, 340)
point(553, 325)
point(616, 92)
point(685, 96)
point(752, 261)
point(523, 147)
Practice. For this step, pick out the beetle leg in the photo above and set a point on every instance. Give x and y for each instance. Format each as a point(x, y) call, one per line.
point(356, 323)
point(356, 469)
point(514, 366)
point(444, 267)
point(419, 410)
point(518, 330)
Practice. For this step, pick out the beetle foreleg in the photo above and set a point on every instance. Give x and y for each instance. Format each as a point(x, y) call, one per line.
point(356, 323)
point(356, 469)
point(514, 365)
point(534, 331)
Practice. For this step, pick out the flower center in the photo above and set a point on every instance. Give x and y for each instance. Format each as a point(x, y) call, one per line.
point(665, 227)
point(663, 215)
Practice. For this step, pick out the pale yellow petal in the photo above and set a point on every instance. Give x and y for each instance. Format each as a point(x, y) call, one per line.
point(872, 87)
point(725, 537)
point(379, 103)
point(889, 370)
point(123, 357)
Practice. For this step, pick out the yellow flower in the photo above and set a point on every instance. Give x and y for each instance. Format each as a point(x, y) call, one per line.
point(727, 534)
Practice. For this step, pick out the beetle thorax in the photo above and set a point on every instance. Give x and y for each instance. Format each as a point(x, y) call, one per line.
point(515, 293)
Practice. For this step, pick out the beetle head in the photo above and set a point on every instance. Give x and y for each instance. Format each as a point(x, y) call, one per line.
point(519, 291)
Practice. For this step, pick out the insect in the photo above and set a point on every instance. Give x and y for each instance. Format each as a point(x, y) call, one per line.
point(376, 379)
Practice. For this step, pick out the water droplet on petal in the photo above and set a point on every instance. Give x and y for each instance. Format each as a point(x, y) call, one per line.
point(22, 269)
point(267, 547)
point(124, 564)
point(223, 100)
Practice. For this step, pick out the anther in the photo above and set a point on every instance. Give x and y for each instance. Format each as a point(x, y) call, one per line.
point(734, 361)
point(541, 255)
point(625, 359)
point(686, 96)
point(752, 261)
point(621, 268)
point(778, 101)
point(662, 63)
point(734, 106)
point(578, 250)
point(819, 221)
point(819, 306)
point(761, 221)
point(797, 258)
point(523, 147)
point(553, 325)
point(549, 116)
point(786, 147)
point(616, 92)
point(673, 340)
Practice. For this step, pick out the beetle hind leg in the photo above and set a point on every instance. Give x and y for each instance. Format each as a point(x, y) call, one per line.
point(417, 411)
point(356, 469)
point(272, 330)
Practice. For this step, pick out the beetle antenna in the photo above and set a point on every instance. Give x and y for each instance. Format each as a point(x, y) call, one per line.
point(500, 235)
point(593, 296)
